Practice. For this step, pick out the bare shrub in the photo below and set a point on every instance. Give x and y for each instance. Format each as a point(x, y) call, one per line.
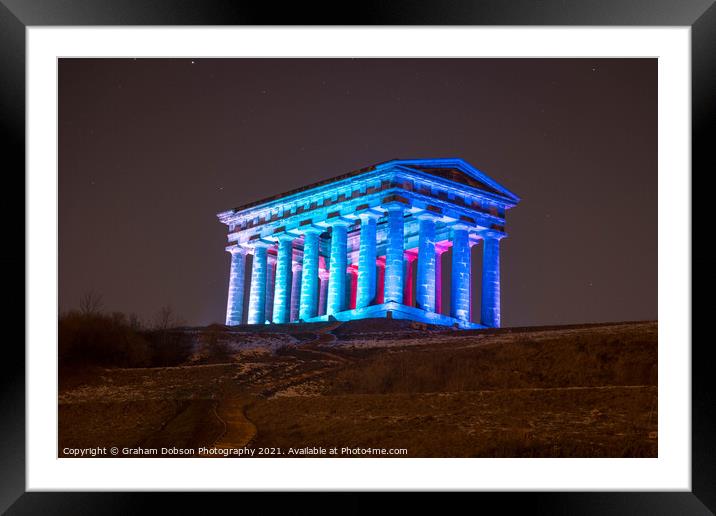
point(91, 338)
point(211, 348)
point(170, 347)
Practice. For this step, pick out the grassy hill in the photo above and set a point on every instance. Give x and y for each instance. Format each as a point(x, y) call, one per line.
point(574, 391)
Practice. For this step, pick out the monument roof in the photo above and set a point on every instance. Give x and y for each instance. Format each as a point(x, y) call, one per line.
point(452, 169)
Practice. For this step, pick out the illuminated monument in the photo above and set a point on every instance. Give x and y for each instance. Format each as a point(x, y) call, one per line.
point(369, 244)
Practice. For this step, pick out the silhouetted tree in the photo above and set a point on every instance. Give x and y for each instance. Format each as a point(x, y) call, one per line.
point(135, 323)
point(91, 303)
point(166, 318)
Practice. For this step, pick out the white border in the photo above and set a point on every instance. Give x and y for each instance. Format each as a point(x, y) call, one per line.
point(671, 471)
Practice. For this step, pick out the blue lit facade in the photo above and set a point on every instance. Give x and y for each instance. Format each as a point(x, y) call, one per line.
point(351, 247)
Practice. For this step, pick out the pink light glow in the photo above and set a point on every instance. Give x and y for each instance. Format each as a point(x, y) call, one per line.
point(353, 269)
point(380, 292)
point(411, 255)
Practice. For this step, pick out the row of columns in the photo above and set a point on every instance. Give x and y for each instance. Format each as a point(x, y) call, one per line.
point(293, 291)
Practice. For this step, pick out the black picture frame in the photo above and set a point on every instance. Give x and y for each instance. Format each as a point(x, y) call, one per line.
point(17, 15)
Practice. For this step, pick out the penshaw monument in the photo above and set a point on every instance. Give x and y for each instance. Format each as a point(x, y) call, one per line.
point(369, 244)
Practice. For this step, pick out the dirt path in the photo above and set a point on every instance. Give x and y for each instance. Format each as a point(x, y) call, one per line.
point(325, 338)
point(239, 431)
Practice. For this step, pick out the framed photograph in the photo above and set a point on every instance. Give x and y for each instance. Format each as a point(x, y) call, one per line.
point(429, 248)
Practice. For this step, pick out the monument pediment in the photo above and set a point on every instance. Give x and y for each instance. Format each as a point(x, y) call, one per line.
point(457, 176)
point(459, 171)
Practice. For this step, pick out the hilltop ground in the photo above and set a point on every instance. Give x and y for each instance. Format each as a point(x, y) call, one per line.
point(570, 391)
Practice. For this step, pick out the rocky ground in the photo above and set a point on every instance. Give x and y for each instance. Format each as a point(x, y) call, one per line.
point(571, 391)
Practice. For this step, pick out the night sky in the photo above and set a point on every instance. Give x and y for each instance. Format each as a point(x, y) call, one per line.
point(152, 149)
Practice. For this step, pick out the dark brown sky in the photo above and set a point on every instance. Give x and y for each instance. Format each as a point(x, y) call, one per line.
point(152, 149)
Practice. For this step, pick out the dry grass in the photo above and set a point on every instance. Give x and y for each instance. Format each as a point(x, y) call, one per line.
point(586, 360)
point(589, 422)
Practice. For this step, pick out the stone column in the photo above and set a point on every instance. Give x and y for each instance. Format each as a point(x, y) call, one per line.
point(282, 286)
point(460, 287)
point(257, 294)
point(366, 260)
point(380, 281)
point(393, 290)
point(439, 250)
point(323, 291)
point(425, 295)
point(308, 306)
point(490, 299)
point(270, 285)
point(296, 278)
point(235, 303)
point(337, 272)
point(410, 258)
